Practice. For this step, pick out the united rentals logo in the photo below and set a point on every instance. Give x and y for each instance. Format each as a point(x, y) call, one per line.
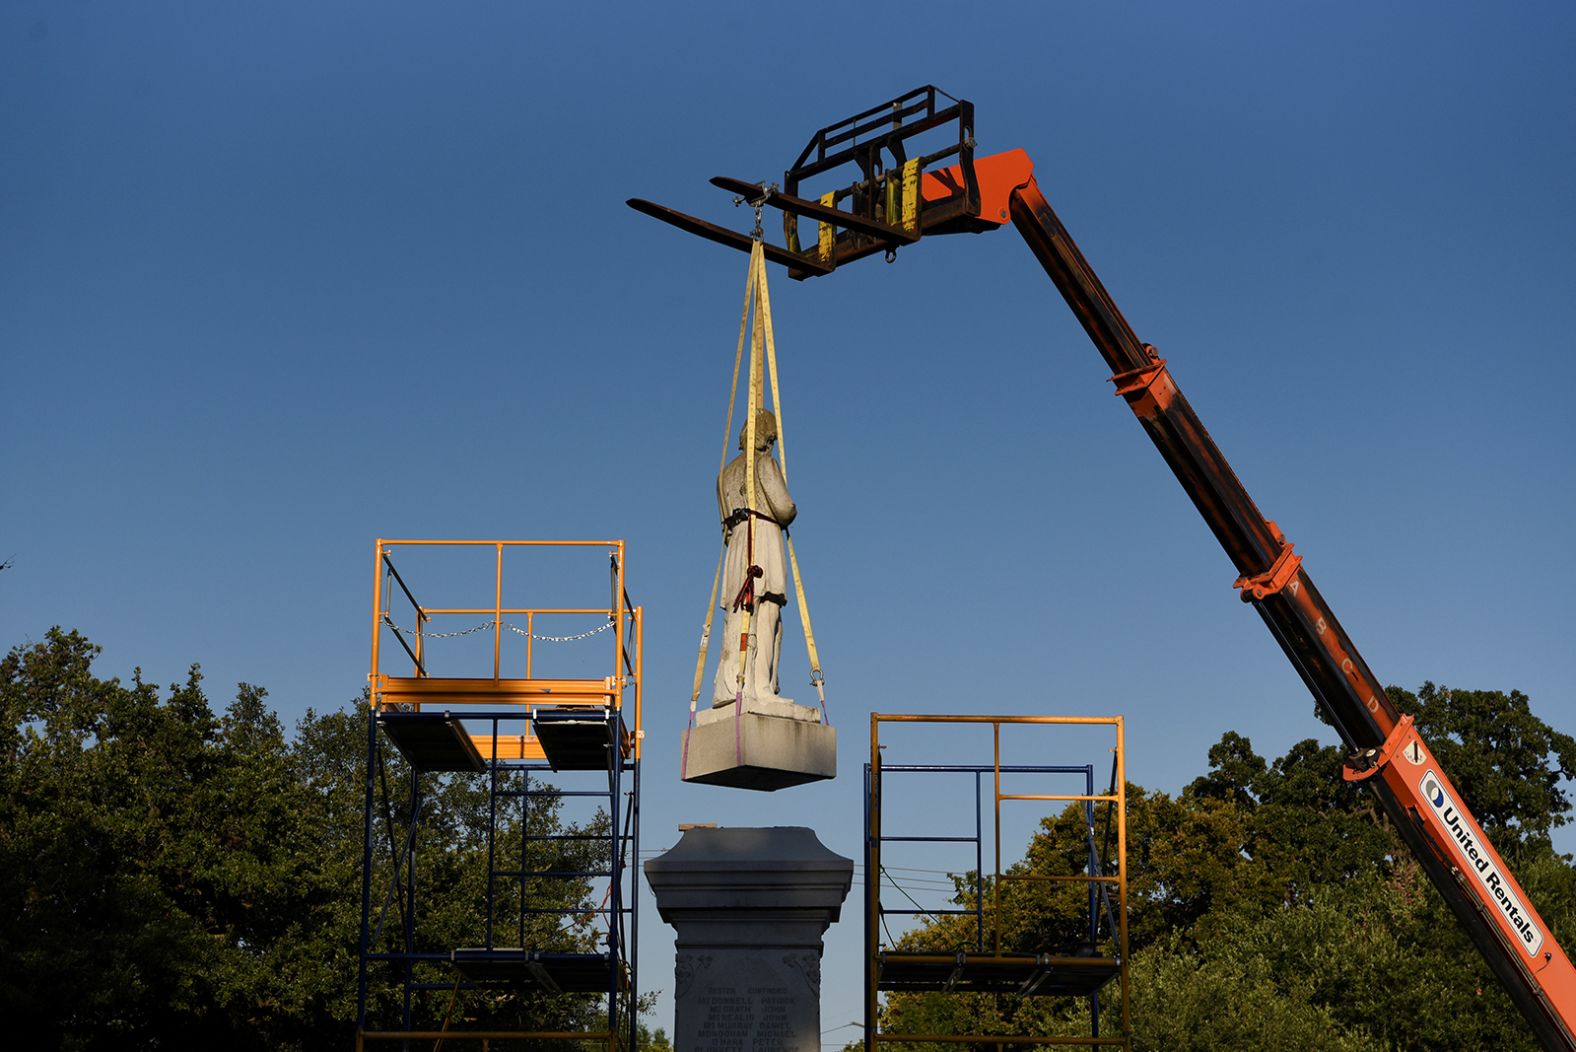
point(1479, 862)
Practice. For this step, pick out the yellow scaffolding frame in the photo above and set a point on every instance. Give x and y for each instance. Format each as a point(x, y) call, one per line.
point(998, 957)
point(418, 690)
point(496, 696)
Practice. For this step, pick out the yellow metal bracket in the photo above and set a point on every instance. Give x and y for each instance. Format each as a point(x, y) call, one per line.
point(911, 196)
point(825, 232)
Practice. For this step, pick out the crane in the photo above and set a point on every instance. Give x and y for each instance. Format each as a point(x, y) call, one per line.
point(900, 195)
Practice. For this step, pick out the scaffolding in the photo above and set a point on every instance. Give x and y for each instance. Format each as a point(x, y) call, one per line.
point(534, 942)
point(979, 960)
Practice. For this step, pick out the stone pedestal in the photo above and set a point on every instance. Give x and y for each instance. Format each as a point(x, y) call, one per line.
point(771, 745)
point(750, 907)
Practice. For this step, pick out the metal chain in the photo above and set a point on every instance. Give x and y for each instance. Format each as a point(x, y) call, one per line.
point(435, 635)
point(516, 629)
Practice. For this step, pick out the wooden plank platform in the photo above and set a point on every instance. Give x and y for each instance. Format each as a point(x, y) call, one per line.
point(580, 739)
point(1020, 973)
point(578, 973)
point(432, 741)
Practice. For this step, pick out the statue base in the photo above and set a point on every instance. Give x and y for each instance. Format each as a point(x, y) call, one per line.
point(772, 744)
point(749, 908)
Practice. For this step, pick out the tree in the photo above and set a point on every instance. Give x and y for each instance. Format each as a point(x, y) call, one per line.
point(1271, 905)
point(179, 879)
point(95, 851)
point(1507, 763)
point(653, 1041)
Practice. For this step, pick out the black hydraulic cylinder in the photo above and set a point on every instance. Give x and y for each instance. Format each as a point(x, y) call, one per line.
point(1292, 608)
point(1359, 709)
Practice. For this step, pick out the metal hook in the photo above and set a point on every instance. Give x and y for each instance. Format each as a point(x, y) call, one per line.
point(891, 255)
point(757, 233)
point(758, 205)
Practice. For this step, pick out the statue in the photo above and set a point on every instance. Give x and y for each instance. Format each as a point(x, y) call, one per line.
point(754, 577)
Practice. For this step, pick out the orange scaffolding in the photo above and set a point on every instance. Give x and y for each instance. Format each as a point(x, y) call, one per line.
point(527, 735)
point(416, 691)
point(990, 966)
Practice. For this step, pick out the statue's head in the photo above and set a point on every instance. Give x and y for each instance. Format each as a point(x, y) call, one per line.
point(765, 430)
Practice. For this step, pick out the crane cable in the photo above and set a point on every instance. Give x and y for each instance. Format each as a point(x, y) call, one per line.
point(763, 352)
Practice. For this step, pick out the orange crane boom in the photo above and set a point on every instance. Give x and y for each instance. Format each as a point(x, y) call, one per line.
point(896, 200)
point(1387, 752)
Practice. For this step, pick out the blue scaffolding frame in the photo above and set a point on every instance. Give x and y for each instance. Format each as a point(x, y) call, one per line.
point(988, 967)
point(533, 743)
point(503, 963)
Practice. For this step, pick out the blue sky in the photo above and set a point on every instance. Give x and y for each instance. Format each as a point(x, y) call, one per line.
point(277, 281)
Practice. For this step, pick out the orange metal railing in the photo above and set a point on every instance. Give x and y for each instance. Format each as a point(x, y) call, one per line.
point(487, 685)
point(1114, 883)
point(435, 585)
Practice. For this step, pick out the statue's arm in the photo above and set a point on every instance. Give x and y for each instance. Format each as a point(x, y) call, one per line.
point(774, 491)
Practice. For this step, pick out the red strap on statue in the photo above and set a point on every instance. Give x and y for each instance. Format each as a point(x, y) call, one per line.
point(746, 596)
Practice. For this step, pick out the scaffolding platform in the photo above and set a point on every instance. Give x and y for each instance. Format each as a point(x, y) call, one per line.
point(985, 960)
point(580, 739)
point(424, 690)
point(530, 722)
point(433, 741)
point(554, 973)
point(1024, 974)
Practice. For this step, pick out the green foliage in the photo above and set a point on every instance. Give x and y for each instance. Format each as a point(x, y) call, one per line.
point(648, 1041)
point(177, 879)
point(1186, 1001)
point(1271, 906)
point(1507, 763)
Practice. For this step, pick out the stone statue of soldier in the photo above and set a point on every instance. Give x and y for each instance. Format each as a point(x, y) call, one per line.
point(755, 576)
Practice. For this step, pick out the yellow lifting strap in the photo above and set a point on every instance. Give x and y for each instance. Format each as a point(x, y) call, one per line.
point(752, 413)
point(816, 678)
point(763, 364)
point(727, 432)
